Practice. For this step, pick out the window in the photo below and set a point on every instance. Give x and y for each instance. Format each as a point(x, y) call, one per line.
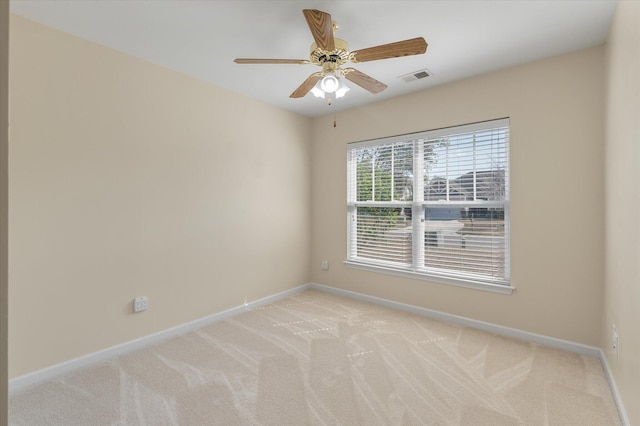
point(433, 204)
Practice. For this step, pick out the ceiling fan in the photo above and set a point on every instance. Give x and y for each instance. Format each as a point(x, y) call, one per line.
point(331, 53)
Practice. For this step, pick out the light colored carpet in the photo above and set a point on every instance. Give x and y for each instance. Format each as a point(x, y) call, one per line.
point(319, 359)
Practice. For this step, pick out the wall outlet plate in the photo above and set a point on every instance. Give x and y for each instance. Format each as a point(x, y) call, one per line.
point(140, 304)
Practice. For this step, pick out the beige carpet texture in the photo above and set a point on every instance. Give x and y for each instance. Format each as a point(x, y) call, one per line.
point(319, 359)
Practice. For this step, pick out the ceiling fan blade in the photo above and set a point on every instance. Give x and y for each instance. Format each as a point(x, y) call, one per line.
point(270, 61)
point(307, 85)
point(363, 80)
point(321, 28)
point(414, 46)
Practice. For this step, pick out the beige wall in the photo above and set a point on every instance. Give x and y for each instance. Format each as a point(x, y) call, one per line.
point(128, 179)
point(622, 288)
point(4, 143)
point(556, 111)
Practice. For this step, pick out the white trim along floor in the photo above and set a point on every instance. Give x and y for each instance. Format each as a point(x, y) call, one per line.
point(39, 376)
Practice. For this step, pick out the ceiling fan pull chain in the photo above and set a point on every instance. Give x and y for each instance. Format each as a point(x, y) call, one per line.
point(334, 117)
point(334, 111)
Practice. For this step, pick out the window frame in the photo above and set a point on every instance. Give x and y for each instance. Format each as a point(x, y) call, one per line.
point(418, 206)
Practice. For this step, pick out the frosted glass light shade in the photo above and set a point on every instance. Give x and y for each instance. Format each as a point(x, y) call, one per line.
point(342, 90)
point(317, 92)
point(329, 84)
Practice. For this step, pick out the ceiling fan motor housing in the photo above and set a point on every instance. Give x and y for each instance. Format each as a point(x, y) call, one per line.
point(338, 56)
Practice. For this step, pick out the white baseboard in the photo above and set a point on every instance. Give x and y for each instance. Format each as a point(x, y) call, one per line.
point(493, 328)
point(614, 389)
point(48, 373)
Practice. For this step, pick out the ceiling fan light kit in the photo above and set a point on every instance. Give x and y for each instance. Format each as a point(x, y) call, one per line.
point(329, 83)
point(331, 53)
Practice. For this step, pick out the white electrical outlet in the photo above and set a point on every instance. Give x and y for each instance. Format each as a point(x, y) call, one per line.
point(324, 265)
point(140, 304)
point(614, 339)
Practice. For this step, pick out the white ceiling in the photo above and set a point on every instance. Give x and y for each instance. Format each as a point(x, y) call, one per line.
point(201, 38)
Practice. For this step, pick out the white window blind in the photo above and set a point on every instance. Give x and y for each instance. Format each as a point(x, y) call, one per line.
point(434, 203)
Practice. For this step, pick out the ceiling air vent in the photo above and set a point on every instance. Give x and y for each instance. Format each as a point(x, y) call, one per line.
point(416, 75)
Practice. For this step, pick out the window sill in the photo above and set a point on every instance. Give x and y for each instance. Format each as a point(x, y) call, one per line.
point(475, 285)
